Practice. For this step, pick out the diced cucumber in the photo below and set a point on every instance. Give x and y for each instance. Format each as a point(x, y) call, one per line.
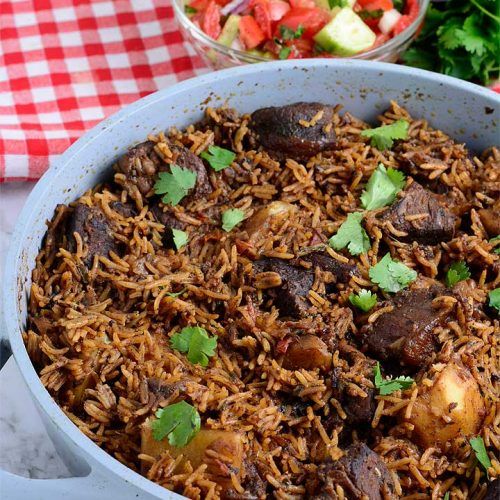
point(336, 4)
point(346, 34)
point(230, 30)
point(260, 53)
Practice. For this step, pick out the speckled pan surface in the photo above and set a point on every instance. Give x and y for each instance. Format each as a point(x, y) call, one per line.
point(466, 112)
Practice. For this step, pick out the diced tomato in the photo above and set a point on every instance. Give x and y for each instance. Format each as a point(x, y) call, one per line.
point(210, 23)
point(199, 5)
point(250, 33)
point(380, 40)
point(309, 4)
point(277, 9)
point(376, 4)
point(402, 24)
point(262, 16)
point(411, 8)
point(372, 23)
point(312, 20)
point(411, 13)
point(302, 47)
point(222, 2)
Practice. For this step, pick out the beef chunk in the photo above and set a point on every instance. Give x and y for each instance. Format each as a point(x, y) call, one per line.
point(141, 165)
point(124, 209)
point(308, 352)
point(169, 221)
point(279, 129)
point(163, 390)
point(341, 271)
point(493, 490)
point(291, 297)
point(405, 335)
point(439, 225)
point(361, 473)
point(95, 230)
point(490, 217)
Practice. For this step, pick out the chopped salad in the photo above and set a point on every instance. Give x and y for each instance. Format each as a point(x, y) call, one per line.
point(286, 29)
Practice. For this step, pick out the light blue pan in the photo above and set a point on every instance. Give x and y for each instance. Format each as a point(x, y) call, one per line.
point(466, 112)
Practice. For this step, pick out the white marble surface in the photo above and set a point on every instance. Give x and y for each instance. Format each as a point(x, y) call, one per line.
point(25, 448)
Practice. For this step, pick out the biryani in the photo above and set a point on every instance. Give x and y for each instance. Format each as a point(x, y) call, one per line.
point(286, 304)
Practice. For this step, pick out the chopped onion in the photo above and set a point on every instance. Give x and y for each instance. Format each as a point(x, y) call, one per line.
point(234, 7)
point(388, 21)
point(237, 45)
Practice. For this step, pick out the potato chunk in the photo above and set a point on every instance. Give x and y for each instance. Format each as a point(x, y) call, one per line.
point(276, 211)
point(225, 448)
point(308, 352)
point(453, 406)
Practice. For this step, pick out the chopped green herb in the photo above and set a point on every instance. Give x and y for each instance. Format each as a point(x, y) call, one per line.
point(458, 271)
point(388, 385)
point(190, 10)
point(180, 422)
point(175, 294)
point(231, 218)
point(477, 445)
point(338, 3)
point(494, 297)
point(195, 341)
point(371, 14)
point(447, 496)
point(398, 5)
point(284, 52)
point(288, 34)
point(391, 275)
point(383, 137)
point(382, 188)
point(493, 241)
point(351, 235)
point(180, 238)
point(175, 185)
point(218, 158)
point(364, 300)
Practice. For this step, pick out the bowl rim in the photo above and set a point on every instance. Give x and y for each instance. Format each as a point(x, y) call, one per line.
point(22, 232)
point(243, 56)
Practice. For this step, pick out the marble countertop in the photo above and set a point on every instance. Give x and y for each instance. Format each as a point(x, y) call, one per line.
point(25, 447)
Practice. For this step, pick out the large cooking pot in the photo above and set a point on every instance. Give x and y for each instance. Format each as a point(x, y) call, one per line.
point(466, 112)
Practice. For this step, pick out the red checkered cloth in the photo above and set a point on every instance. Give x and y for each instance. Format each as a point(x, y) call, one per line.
point(67, 64)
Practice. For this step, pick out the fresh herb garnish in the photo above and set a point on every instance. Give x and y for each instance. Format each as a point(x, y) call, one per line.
point(460, 39)
point(338, 3)
point(351, 235)
point(391, 275)
point(180, 238)
point(175, 294)
point(195, 341)
point(447, 496)
point(284, 52)
point(492, 241)
point(477, 445)
point(218, 158)
point(458, 271)
point(175, 185)
point(383, 137)
point(180, 422)
point(494, 298)
point(190, 10)
point(398, 5)
point(289, 34)
point(231, 218)
point(382, 188)
point(388, 385)
point(371, 14)
point(364, 300)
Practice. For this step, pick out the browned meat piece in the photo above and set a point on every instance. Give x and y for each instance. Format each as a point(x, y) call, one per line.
point(280, 130)
point(490, 217)
point(359, 409)
point(291, 297)
point(169, 221)
point(124, 209)
point(361, 473)
point(341, 271)
point(95, 230)
point(141, 164)
point(255, 486)
point(164, 390)
point(308, 352)
point(405, 334)
point(493, 490)
point(437, 225)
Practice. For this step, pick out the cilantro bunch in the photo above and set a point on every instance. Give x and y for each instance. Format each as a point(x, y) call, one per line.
point(460, 39)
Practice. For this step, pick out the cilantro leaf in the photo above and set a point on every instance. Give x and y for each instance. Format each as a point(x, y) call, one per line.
point(391, 275)
point(446, 496)
point(180, 422)
point(218, 158)
point(458, 271)
point(398, 5)
point(493, 241)
point(351, 235)
point(370, 14)
point(494, 298)
point(180, 238)
point(284, 52)
point(231, 218)
point(175, 185)
point(338, 3)
point(382, 188)
point(195, 341)
point(364, 300)
point(175, 294)
point(190, 10)
point(388, 385)
point(383, 137)
point(288, 33)
point(477, 445)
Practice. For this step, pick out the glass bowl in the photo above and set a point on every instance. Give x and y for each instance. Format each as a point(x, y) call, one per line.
point(219, 56)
